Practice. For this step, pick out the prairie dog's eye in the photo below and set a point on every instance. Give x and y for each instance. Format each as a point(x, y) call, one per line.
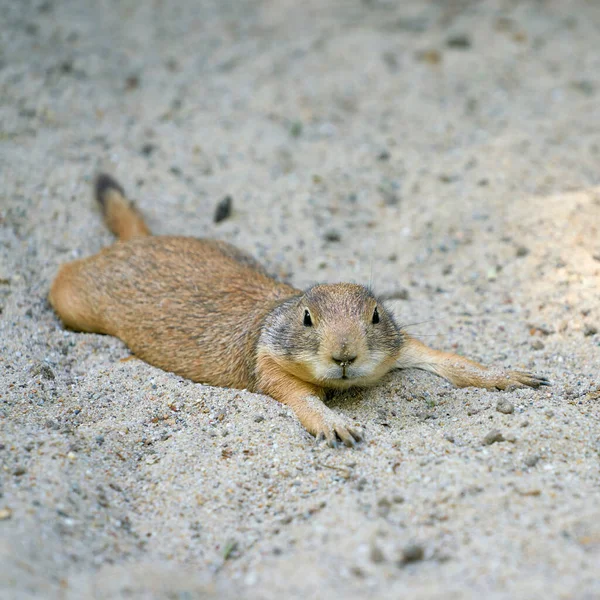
point(307, 319)
point(375, 316)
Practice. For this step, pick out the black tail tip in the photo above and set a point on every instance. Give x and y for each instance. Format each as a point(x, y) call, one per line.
point(104, 183)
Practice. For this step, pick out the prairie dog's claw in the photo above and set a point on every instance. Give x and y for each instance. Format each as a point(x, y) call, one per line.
point(333, 428)
point(528, 379)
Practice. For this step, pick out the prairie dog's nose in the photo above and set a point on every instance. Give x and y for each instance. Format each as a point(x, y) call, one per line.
point(343, 360)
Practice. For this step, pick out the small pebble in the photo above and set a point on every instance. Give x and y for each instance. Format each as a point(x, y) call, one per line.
point(259, 419)
point(132, 82)
point(357, 572)
point(537, 345)
point(223, 210)
point(532, 460)
point(461, 42)
point(332, 236)
point(449, 438)
point(505, 406)
point(492, 437)
point(412, 553)
point(5, 513)
point(47, 372)
point(148, 149)
point(589, 330)
point(549, 413)
point(522, 251)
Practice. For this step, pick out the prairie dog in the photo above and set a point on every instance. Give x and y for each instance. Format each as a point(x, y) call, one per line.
point(207, 311)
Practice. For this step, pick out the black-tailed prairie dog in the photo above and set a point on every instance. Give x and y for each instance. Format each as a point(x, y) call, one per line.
point(207, 311)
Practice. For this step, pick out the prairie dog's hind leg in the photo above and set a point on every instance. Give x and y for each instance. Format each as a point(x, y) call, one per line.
point(68, 298)
point(461, 371)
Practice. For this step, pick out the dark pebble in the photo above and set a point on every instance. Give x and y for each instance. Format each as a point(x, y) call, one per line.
point(522, 251)
point(259, 419)
point(412, 553)
point(537, 345)
point(223, 210)
point(589, 330)
point(132, 82)
point(332, 236)
point(461, 42)
point(148, 149)
point(47, 372)
point(448, 178)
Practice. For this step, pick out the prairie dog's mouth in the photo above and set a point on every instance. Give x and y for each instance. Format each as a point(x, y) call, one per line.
point(345, 373)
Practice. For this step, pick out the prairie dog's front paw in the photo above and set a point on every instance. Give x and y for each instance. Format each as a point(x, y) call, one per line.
point(325, 424)
point(501, 379)
point(524, 378)
point(333, 426)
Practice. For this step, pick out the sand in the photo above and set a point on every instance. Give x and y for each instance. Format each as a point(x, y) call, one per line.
point(448, 153)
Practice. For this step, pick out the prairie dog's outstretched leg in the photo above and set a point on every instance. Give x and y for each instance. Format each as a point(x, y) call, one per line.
point(461, 371)
point(306, 400)
point(120, 214)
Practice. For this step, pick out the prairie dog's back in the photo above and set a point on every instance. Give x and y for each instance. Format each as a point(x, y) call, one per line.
point(189, 306)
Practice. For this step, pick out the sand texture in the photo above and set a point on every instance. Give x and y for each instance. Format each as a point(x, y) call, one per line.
point(448, 153)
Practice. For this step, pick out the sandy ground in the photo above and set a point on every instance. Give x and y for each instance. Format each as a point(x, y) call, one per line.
point(449, 153)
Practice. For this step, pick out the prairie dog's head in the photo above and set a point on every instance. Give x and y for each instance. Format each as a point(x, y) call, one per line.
point(336, 336)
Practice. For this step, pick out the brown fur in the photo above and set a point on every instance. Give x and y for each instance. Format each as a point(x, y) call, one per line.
point(207, 311)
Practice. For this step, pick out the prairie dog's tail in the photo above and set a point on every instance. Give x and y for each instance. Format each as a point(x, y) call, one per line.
point(120, 214)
